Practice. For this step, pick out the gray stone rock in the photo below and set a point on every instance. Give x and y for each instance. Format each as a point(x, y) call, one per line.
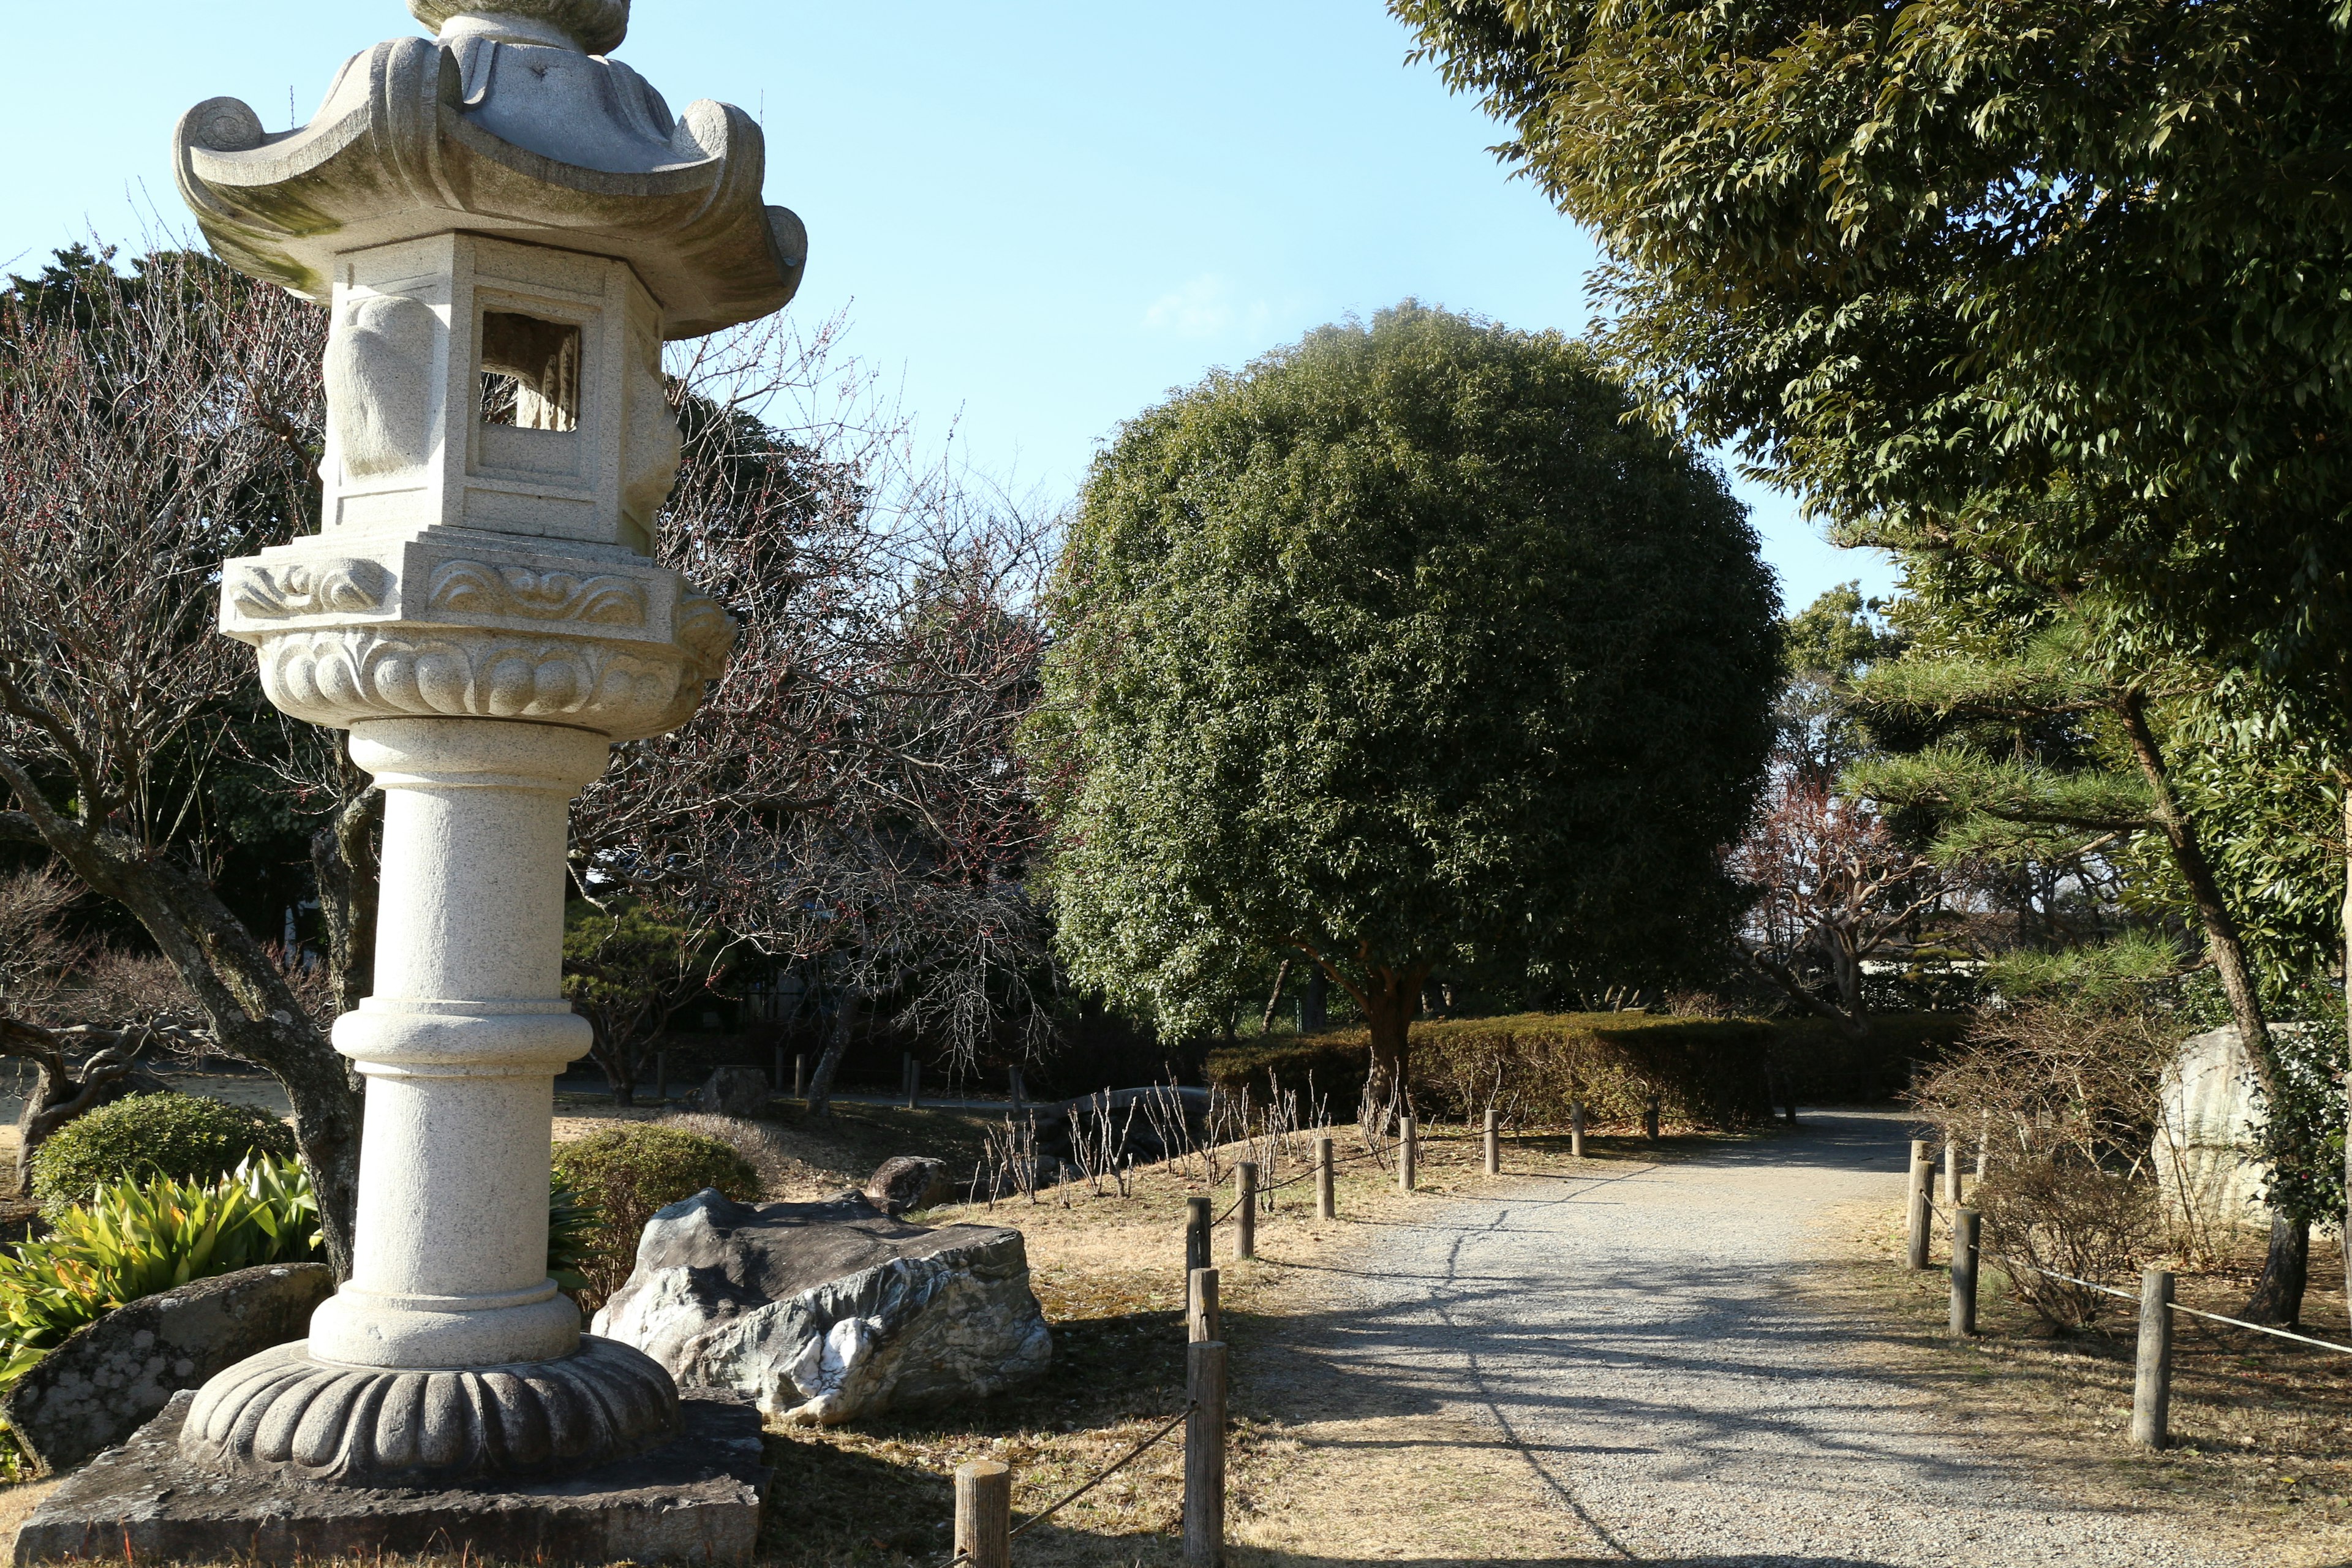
point(828, 1312)
point(697, 1499)
point(907, 1182)
point(115, 1375)
point(733, 1091)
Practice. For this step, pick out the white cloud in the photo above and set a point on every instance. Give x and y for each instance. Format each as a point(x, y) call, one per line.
point(1207, 306)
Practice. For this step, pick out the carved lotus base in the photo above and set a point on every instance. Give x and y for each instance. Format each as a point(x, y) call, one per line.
point(283, 1414)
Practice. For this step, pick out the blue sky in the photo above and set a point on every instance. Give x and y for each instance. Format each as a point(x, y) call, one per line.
point(1039, 218)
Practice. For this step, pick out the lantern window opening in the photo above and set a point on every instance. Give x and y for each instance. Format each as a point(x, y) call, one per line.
point(530, 372)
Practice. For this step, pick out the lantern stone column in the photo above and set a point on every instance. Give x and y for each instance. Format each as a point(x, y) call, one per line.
point(506, 228)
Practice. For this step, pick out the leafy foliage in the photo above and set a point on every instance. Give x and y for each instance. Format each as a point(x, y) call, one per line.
point(2053, 282)
point(135, 1237)
point(182, 1137)
point(1400, 648)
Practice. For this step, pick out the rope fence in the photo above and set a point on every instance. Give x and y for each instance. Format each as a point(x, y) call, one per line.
point(2152, 1369)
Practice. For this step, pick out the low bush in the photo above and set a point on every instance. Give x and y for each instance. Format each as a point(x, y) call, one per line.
point(135, 1238)
point(178, 1137)
point(2059, 1100)
point(625, 1174)
point(2050, 1216)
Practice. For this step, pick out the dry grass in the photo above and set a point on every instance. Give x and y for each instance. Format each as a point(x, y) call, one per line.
point(2262, 1428)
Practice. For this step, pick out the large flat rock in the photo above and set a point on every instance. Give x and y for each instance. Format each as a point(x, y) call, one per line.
point(828, 1312)
point(696, 1500)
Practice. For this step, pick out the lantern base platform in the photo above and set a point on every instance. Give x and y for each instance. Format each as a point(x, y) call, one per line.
point(697, 1499)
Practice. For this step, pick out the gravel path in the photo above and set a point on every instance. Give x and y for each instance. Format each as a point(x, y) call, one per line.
point(1632, 1335)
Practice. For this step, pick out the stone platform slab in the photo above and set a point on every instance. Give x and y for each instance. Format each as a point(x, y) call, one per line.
point(697, 1500)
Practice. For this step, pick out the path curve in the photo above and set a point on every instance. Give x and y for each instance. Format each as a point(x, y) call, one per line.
point(1635, 1335)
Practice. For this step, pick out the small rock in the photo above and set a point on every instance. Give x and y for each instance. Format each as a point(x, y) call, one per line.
point(827, 1312)
point(113, 1375)
point(908, 1181)
point(733, 1091)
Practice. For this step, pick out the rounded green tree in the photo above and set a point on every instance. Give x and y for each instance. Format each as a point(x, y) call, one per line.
point(1406, 650)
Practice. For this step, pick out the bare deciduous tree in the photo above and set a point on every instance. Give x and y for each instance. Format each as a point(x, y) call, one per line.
point(152, 426)
point(1833, 886)
point(849, 799)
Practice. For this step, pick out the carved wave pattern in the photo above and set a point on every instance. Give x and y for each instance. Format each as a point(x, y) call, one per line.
point(708, 634)
point(335, 677)
point(474, 587)
point(311, 588)
point(282, 1414)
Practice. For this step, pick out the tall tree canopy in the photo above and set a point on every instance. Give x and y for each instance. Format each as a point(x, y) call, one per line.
point(1403, 649)
point(2057, 280)
point(2051, 287)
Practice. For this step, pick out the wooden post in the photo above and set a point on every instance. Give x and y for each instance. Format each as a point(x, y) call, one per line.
point(1013, 1073)
point(983, 1517)
point(1575, 1130)
point(1650, 1109)
point(2151, 1426)
point(661, 1076)
point(799, 1076)
point(1196, 1235)
point(1922, 1199)
point(914, 1084)
point(1951, 1174)
point(1494, 1142)
point(1327, 1196)
point(1964, 1274)
point(1245, 1207)
point(1984, 1144)
point(1408, 1151)
point(1202, 1320)
point(906, 1071)
point(1205, 1457)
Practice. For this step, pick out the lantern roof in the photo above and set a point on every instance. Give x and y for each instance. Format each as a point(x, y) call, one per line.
point(503, 124)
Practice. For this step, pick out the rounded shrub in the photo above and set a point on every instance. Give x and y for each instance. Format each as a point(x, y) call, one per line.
point(625, 1173)
point(186, 1137)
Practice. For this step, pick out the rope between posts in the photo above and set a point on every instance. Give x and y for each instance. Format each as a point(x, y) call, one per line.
point(2192, 1311)
point(1132, 1455)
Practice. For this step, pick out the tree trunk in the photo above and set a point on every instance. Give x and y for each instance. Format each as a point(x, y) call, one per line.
point(1315, 1003)
point(255, 1015)
point(1274, 997)
point(1390, 1002)
point(2278, 1295)
point(344, 862)
point(845, 1024)
point(2345, 1231)
point(2290, 1248)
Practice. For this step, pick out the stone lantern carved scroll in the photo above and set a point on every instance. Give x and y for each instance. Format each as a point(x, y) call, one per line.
point(506, 227)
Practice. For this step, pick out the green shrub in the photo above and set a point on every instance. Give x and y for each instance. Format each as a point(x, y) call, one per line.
point(135, 1238)
point(182, 1137)
point(1707, 1072)
point(625, 1173)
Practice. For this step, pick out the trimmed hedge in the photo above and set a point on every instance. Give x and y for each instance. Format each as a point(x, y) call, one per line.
point(184, 1137)
point(1707, 1072)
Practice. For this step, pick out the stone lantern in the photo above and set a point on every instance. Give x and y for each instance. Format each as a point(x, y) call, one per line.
point(507, 226)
